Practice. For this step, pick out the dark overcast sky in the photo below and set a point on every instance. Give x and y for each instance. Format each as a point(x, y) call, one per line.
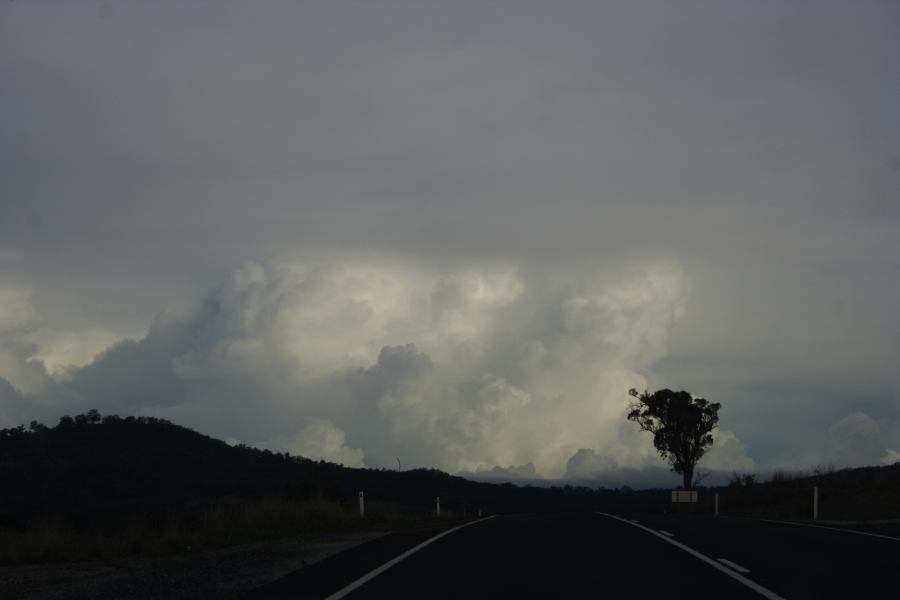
point(456, 232)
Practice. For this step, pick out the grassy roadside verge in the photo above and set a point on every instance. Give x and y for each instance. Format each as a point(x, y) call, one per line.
point(210, 524)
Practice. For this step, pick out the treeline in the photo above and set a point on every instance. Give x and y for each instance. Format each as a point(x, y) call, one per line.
point(91, 465)
point(859, 494)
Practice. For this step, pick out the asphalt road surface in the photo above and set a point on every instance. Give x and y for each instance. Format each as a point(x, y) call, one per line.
point(607, 556)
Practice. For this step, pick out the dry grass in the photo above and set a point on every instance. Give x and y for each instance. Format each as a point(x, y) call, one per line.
point(50, 540)
point(231, 519)
point(214, 523)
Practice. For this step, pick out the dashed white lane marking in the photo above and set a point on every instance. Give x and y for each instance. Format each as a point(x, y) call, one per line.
point(877, 535)
point(765, 593)
point(664, 532)
point(633, 520)
point(734, 566)
point(372, 574)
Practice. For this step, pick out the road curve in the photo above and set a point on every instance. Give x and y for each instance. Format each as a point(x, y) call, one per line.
point(570, 555)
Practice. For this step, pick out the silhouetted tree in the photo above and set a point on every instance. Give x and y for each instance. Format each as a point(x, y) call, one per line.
point(111, 420)
point(681, 426)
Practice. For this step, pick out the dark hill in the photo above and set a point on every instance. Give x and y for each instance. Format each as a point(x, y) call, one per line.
point(90, 464)
point(94, 487)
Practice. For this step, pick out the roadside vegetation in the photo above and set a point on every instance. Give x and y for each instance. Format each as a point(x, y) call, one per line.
point(95, 486)
point(206, 525)
point(103, 487)
point(860, 494)
point(220, 522)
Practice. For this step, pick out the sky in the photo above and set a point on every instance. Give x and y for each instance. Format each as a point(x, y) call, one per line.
point(454, 234)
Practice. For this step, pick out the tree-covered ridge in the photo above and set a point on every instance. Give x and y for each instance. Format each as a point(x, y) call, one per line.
point(90, 466)
point(91, 462)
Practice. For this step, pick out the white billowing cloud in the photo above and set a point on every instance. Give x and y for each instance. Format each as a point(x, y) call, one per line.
point(542, 374)
point(60, 352)
point(461, 369)
point(21, 377)
point(511, 473)
point(587, 464)
point(16, 316)
point(857, 440)
point(17, 376)
point(728, 453)
point(591, 468)
point(34, 359)
point(318, 439)
point(890, 457)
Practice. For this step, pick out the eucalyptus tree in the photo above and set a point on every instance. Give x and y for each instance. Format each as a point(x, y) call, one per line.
point(681, 425)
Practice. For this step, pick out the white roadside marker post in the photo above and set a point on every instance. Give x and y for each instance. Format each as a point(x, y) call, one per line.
point(362, 505)
point(437, 502)
point(815, 503)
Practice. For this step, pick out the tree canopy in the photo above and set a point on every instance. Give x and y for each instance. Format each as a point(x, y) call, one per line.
point(681, 426)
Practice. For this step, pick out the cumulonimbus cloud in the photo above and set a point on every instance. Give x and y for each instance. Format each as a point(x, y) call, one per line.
point(364, 363)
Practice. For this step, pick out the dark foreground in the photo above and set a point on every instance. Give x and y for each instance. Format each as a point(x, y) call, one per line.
point(596, 555)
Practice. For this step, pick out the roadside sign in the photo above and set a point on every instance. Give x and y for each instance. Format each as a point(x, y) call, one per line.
point(684, 496)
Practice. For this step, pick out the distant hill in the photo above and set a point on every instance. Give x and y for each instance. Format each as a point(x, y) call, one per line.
point(91, 463)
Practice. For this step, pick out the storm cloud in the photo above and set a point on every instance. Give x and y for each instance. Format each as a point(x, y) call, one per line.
point(364, 364)
point(456, 233)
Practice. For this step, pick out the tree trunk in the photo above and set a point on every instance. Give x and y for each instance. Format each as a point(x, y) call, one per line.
point(688, 478)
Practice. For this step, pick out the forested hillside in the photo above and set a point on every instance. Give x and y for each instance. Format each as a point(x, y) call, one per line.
point(91, 464)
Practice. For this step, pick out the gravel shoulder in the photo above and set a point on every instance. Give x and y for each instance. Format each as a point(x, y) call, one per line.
point(223, 573)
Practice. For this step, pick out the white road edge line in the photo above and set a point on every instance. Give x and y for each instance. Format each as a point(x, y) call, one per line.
point(374, 573)
point(734, 565)
point(878, 535)
point(632, 520)
point(766, 593)
point(664, 532)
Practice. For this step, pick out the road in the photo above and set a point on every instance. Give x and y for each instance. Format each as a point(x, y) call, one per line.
point(608, 556)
